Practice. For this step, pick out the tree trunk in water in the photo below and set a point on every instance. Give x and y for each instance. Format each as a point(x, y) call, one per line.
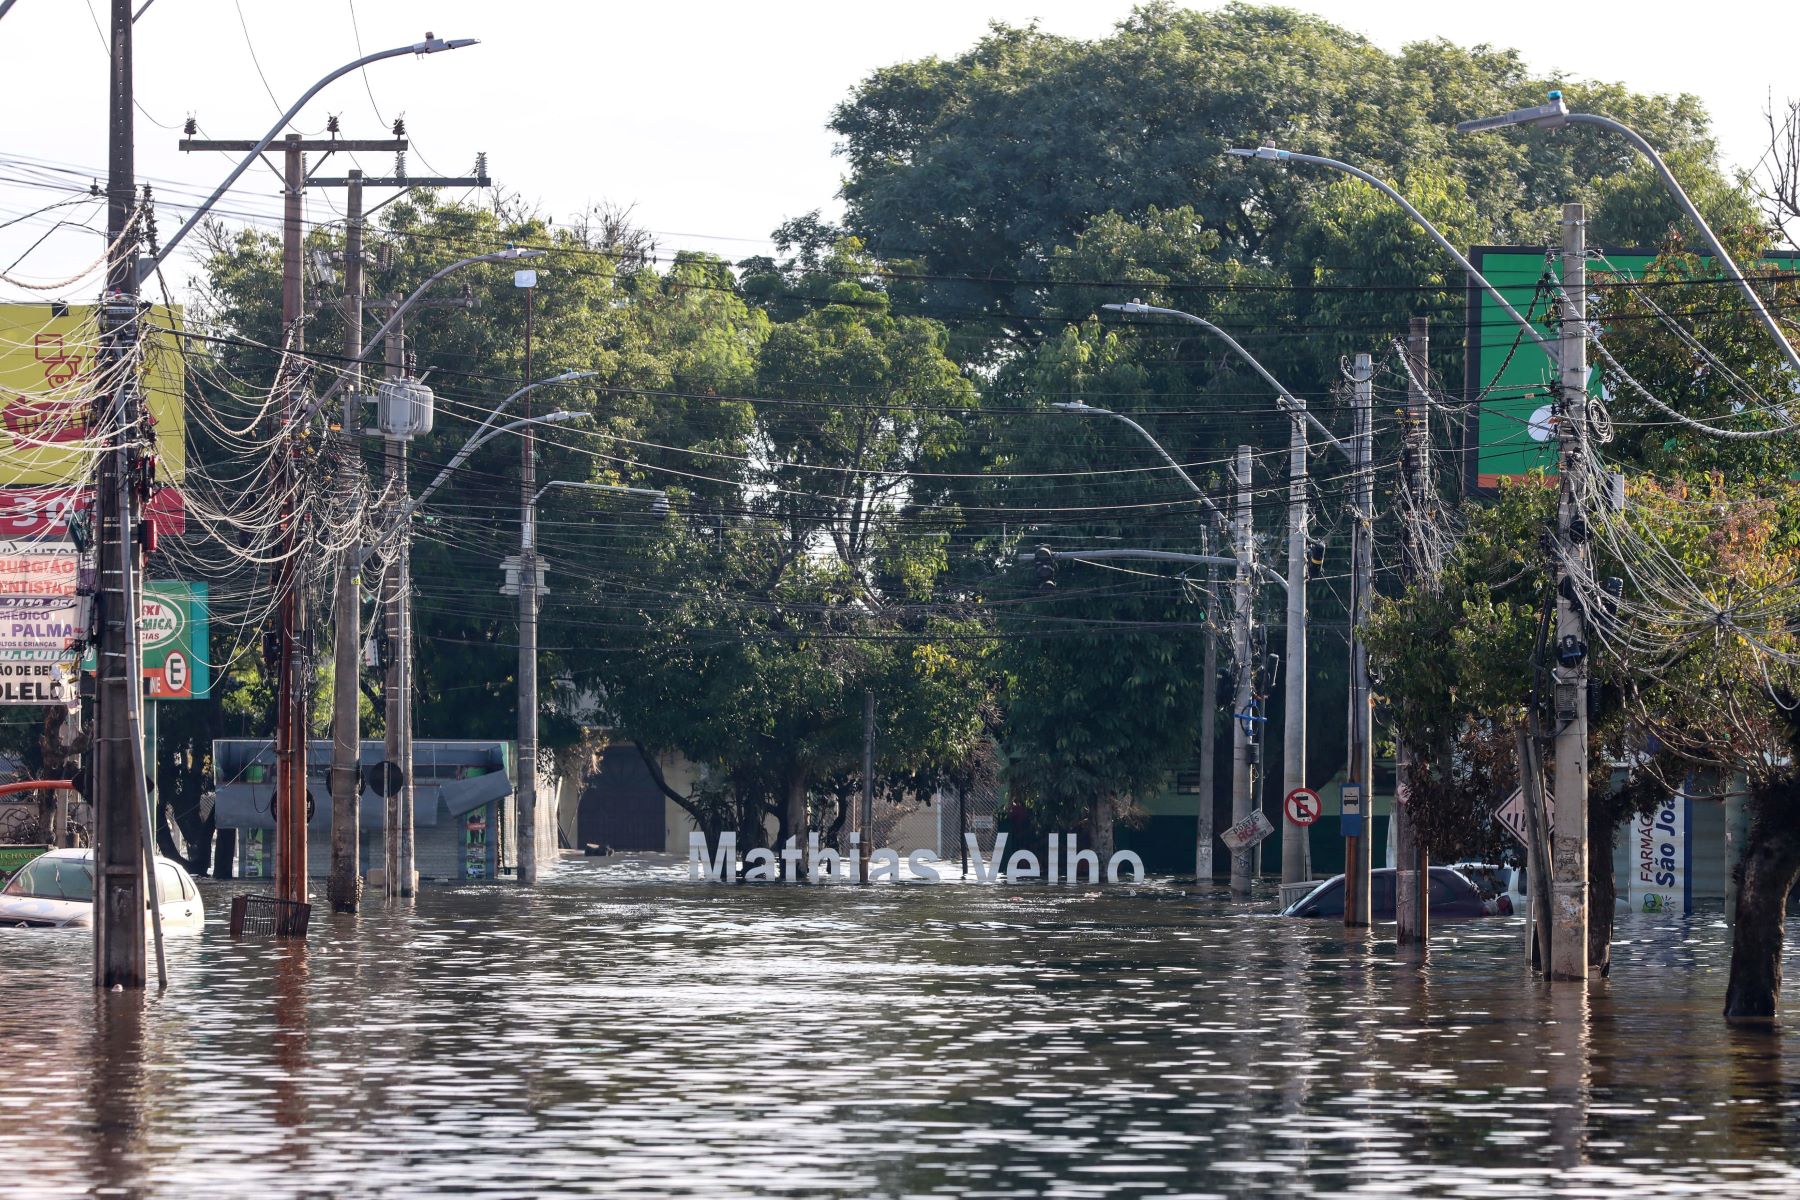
point(1766, 876)
point(794, 823)
point(1101, 817)
point(1603, 828)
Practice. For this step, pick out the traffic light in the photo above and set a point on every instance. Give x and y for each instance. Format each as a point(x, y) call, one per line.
point(1315, 559)
point(1045, 558)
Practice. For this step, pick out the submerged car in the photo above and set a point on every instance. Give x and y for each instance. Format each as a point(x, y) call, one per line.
point(1452, 896)
point(56, 889)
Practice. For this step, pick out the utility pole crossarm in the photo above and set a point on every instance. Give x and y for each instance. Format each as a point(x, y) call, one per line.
point(430, 45)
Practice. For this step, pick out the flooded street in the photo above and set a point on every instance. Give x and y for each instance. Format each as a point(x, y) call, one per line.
point(626, 1033)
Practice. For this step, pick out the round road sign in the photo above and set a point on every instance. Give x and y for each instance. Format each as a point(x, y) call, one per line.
point(175, 672)
point(1302, 806)
point(385, 778)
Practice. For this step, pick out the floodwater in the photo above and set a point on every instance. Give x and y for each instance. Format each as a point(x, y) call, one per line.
point(623, 1032)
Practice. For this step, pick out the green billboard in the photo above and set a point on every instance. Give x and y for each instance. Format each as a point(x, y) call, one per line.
point(1507, 379)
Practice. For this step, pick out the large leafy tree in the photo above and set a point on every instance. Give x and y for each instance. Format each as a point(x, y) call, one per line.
point(767, 610)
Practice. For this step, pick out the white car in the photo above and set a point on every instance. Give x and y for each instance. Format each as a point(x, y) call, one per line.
point(57, 889)
point(1493, 879)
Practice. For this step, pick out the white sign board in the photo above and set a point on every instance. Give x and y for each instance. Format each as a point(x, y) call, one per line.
point(39, 620)
point(1659, 858)
point(1248, 832)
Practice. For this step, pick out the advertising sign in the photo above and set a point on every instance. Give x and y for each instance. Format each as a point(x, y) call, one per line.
point(173, 630)
point(39, 621)
point(48, 381)
point(1660, 857)
point(176, 643)
point(1248, 832)
point(1513, 431)
point(44, 512)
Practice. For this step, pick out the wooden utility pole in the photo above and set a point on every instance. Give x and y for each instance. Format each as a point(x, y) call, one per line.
point(1360, 774)
point(292, 667)
point(1243, 729)
point(1569, 672)
point(120, 886)
point(1412, 890)
point(293, 640)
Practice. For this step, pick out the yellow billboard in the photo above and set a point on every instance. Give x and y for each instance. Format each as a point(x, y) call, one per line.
point(49, 379)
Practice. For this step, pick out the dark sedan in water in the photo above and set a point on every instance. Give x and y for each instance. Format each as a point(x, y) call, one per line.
point(1451, 896)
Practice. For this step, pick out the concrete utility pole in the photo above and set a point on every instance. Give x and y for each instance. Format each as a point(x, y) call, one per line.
point(1412, 892)
point(528, 615)
point(1296, 839)
point(1209, 734)
point(1361, 769)
point(345, 886)
point(1243, 729)
point(120, 886)
point(1568, 943)
point(396, 694)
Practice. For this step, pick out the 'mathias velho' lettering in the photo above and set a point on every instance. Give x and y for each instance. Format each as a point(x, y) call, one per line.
point(1065, 863)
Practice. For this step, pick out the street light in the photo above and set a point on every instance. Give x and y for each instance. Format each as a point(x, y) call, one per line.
point(1296, 858)
point(1556, 114)
point(528, 656)
point(1274, 154)
point(478, 439)
point(510, 254)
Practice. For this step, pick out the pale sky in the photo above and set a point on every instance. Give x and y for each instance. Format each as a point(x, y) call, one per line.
point(708, 117)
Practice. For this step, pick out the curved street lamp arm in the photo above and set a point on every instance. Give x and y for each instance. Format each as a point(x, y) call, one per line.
point(653, 493)
point(1293, 403)
point(1276, 155)
point(481, 438)
point(511, 254)
point(429, 46)
point(1681, 197)
point(1213, 560)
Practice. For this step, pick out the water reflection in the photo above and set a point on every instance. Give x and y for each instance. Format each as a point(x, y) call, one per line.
point(627, 1033)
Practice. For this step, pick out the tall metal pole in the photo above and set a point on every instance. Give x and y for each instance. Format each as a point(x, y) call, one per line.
point(291, 690)
point(1412, 892)
point(1243, 748)
point(1296, 849)
point(345, 887)
point(528, 606)
point(1361, 769)
point(119, 883)
point(1209, 732)
point(1569, 868)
